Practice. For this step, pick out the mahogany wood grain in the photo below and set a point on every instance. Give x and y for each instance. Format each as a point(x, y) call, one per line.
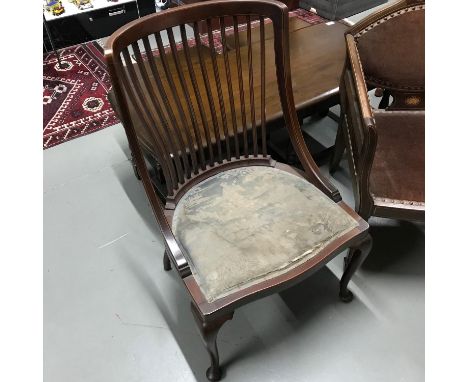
point(317, 58)
point(150, 95)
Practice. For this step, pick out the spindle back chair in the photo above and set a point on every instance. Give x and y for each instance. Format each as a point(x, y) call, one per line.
point(204, 138)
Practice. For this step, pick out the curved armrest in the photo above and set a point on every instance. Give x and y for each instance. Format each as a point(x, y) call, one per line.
point(311, 169)
point(283, 69)
point(359, 82)
point(366, 154)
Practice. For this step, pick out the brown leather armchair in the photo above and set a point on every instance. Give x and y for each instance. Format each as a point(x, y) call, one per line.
point(385, 146)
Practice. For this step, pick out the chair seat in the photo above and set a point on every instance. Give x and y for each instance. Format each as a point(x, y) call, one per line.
point(397, 173)
point(249, 224)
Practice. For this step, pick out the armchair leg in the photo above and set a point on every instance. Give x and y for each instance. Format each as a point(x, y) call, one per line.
point(135, 169)
point(209, 332)
point(353, 261)
point(339, 147)
point(166, 262)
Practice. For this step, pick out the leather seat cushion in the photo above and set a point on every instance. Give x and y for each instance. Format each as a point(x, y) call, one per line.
point(250, 224)
point(398, 169)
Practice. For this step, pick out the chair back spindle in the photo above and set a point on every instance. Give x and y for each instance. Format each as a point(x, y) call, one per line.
point(202, 100)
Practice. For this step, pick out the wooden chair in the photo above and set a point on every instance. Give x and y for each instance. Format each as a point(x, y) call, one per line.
point(385, 146)
point(237, 225)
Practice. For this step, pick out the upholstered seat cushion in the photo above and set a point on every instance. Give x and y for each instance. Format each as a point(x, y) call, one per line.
point(250, 224)
point(397, 173)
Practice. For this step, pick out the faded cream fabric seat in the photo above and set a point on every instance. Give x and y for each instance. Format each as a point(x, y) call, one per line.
point(249, 224)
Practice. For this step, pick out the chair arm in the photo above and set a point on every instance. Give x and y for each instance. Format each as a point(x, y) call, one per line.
point(283, 69)
point(312, 171)
point(369, 144)
point(359, 82)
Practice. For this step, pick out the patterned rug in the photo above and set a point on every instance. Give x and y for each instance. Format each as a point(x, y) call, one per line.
point(74, 96)
point(307, 16)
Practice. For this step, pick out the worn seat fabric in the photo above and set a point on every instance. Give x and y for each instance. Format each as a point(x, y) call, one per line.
point(398, 170)
point(253, 223)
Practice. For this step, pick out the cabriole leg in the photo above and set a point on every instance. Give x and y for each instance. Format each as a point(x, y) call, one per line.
point(166, 262)
point(353, 261)
point(209, 332)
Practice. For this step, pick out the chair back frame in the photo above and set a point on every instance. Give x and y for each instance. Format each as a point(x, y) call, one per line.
point(399, 70)
point(183, 170)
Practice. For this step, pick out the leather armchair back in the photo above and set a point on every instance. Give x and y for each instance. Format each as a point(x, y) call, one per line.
point(390, 46)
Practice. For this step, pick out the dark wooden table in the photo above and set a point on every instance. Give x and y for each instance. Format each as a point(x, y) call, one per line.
point(317, 58)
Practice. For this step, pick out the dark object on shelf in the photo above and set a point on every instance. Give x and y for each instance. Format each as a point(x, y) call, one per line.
point(237, 225)
point(146, 7)
point(339, 9)
point(385, 147)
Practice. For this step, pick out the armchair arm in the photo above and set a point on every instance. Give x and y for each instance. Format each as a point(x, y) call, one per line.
point(359, 82)
point(283, 69)
point(363, 157)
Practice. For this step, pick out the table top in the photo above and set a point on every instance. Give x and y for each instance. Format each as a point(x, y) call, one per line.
point(317, 54)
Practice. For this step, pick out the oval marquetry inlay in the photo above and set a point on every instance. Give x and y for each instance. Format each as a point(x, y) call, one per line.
point(413, 100)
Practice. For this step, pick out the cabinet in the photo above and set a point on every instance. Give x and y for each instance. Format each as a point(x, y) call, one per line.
point(76, 26)
point(339, 9)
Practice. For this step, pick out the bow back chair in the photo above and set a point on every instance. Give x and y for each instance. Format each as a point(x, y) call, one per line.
point(237, 225)
point(385, 146)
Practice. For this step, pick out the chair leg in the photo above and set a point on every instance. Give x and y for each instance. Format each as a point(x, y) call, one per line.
point(339, 147)
point(135, 169)
point(383, 104)
point(209, 332)
point(166, 262)
point(353, 261)
point(323, 113)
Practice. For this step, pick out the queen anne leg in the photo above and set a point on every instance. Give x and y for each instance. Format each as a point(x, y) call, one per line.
point(353, 261)
point(209, 332)
point(166, 262)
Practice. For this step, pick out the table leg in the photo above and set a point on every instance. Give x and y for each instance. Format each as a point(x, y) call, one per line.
point(51, 41)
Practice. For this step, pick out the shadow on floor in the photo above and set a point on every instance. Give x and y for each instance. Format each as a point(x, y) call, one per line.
point(238, 339)
point(397, 248)
point(136, 194)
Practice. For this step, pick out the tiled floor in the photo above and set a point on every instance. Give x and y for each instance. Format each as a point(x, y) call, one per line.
point(112, 314)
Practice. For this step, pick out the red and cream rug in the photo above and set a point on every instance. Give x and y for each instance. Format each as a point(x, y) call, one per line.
point(308, 16)
point(74, 96)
